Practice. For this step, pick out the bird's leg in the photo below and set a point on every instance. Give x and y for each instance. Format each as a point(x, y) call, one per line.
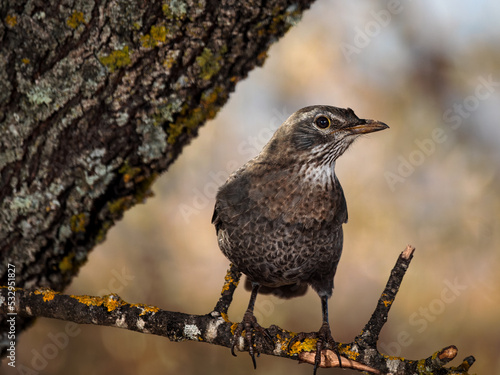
point(250, 325)
point(323, 336)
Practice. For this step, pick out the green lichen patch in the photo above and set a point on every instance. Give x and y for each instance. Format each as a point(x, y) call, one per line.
point(116, 59)
point(174, 9)
point(290, 17)
point(190, 119)
point(154, 141)
point(66, 264)
point(78, 222)
point(143, 189)
point(40, 94)
point(120, 205)
point(209, 62)
point(101, 234)
point(128, 172)
point(165, 113)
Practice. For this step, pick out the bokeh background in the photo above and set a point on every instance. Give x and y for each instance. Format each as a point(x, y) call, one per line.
point(428, 69)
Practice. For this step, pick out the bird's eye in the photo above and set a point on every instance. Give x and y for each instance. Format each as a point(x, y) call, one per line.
point(322, 122)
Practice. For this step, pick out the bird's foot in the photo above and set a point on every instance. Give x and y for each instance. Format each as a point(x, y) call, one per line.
point(250, 326)
point(324, 341)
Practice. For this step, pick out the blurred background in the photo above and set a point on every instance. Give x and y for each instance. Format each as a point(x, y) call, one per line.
point(430, 70)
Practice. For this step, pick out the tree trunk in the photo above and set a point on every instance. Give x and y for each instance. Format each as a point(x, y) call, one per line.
point(99, 97)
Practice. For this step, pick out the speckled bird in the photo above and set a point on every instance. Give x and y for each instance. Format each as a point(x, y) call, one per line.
point(279, 217)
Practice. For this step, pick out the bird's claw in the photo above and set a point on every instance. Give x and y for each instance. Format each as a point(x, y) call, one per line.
point(324, 341)
point(250, 326)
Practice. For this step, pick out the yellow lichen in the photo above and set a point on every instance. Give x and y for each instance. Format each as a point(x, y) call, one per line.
point(145, 308)
point(88, 300)
point(75, 20)
point(225, 317)
point(228, 280)
point(48, 294)
point(234, 326)
point(285, 343)
point(347, 351)
point(308, 345)
point(157, 35)
point(464, 365)
point(25, 61)
point(110, 301)
point(390, 357)
point(421, 366)
point(11, 20)
point(66, 264)
point(166, 10)
point(116, 59)
point(261, 57)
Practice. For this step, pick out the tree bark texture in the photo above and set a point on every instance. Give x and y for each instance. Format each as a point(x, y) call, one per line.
point(99, 97)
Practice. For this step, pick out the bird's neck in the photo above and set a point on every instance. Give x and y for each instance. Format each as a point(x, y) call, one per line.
point(317, 175)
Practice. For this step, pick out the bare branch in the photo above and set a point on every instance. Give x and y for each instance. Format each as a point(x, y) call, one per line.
point(216, 328)
point(369, 335)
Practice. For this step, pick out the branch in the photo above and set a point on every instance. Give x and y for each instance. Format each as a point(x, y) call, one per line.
point(216, 328)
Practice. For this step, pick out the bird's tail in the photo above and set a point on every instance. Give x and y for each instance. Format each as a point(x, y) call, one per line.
point(284, 291)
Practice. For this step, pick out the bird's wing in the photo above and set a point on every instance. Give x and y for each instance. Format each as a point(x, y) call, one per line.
point(341, 215)
point(232, 200)
point(216, 219)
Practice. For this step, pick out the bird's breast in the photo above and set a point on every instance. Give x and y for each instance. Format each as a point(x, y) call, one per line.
point(306, 195)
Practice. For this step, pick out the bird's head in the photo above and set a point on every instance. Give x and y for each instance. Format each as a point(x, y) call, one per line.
point(325, 132)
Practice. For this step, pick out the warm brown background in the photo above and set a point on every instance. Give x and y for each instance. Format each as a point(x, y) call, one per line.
point(414, 71)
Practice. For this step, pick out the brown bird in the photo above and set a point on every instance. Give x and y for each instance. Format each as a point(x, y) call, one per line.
point(279, 217)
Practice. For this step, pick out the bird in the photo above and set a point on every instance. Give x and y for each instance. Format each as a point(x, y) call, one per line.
point(279, 217)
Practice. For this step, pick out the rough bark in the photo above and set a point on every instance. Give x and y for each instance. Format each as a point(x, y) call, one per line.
point(216, 328)
point(99, 97)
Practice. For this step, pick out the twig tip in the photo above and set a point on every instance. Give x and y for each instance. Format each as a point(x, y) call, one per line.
point(408, 252)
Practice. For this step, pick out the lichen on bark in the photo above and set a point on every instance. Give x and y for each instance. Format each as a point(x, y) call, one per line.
point(92, 89)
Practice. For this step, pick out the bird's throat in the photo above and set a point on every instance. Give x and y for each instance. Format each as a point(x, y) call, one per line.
point(317, 174)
